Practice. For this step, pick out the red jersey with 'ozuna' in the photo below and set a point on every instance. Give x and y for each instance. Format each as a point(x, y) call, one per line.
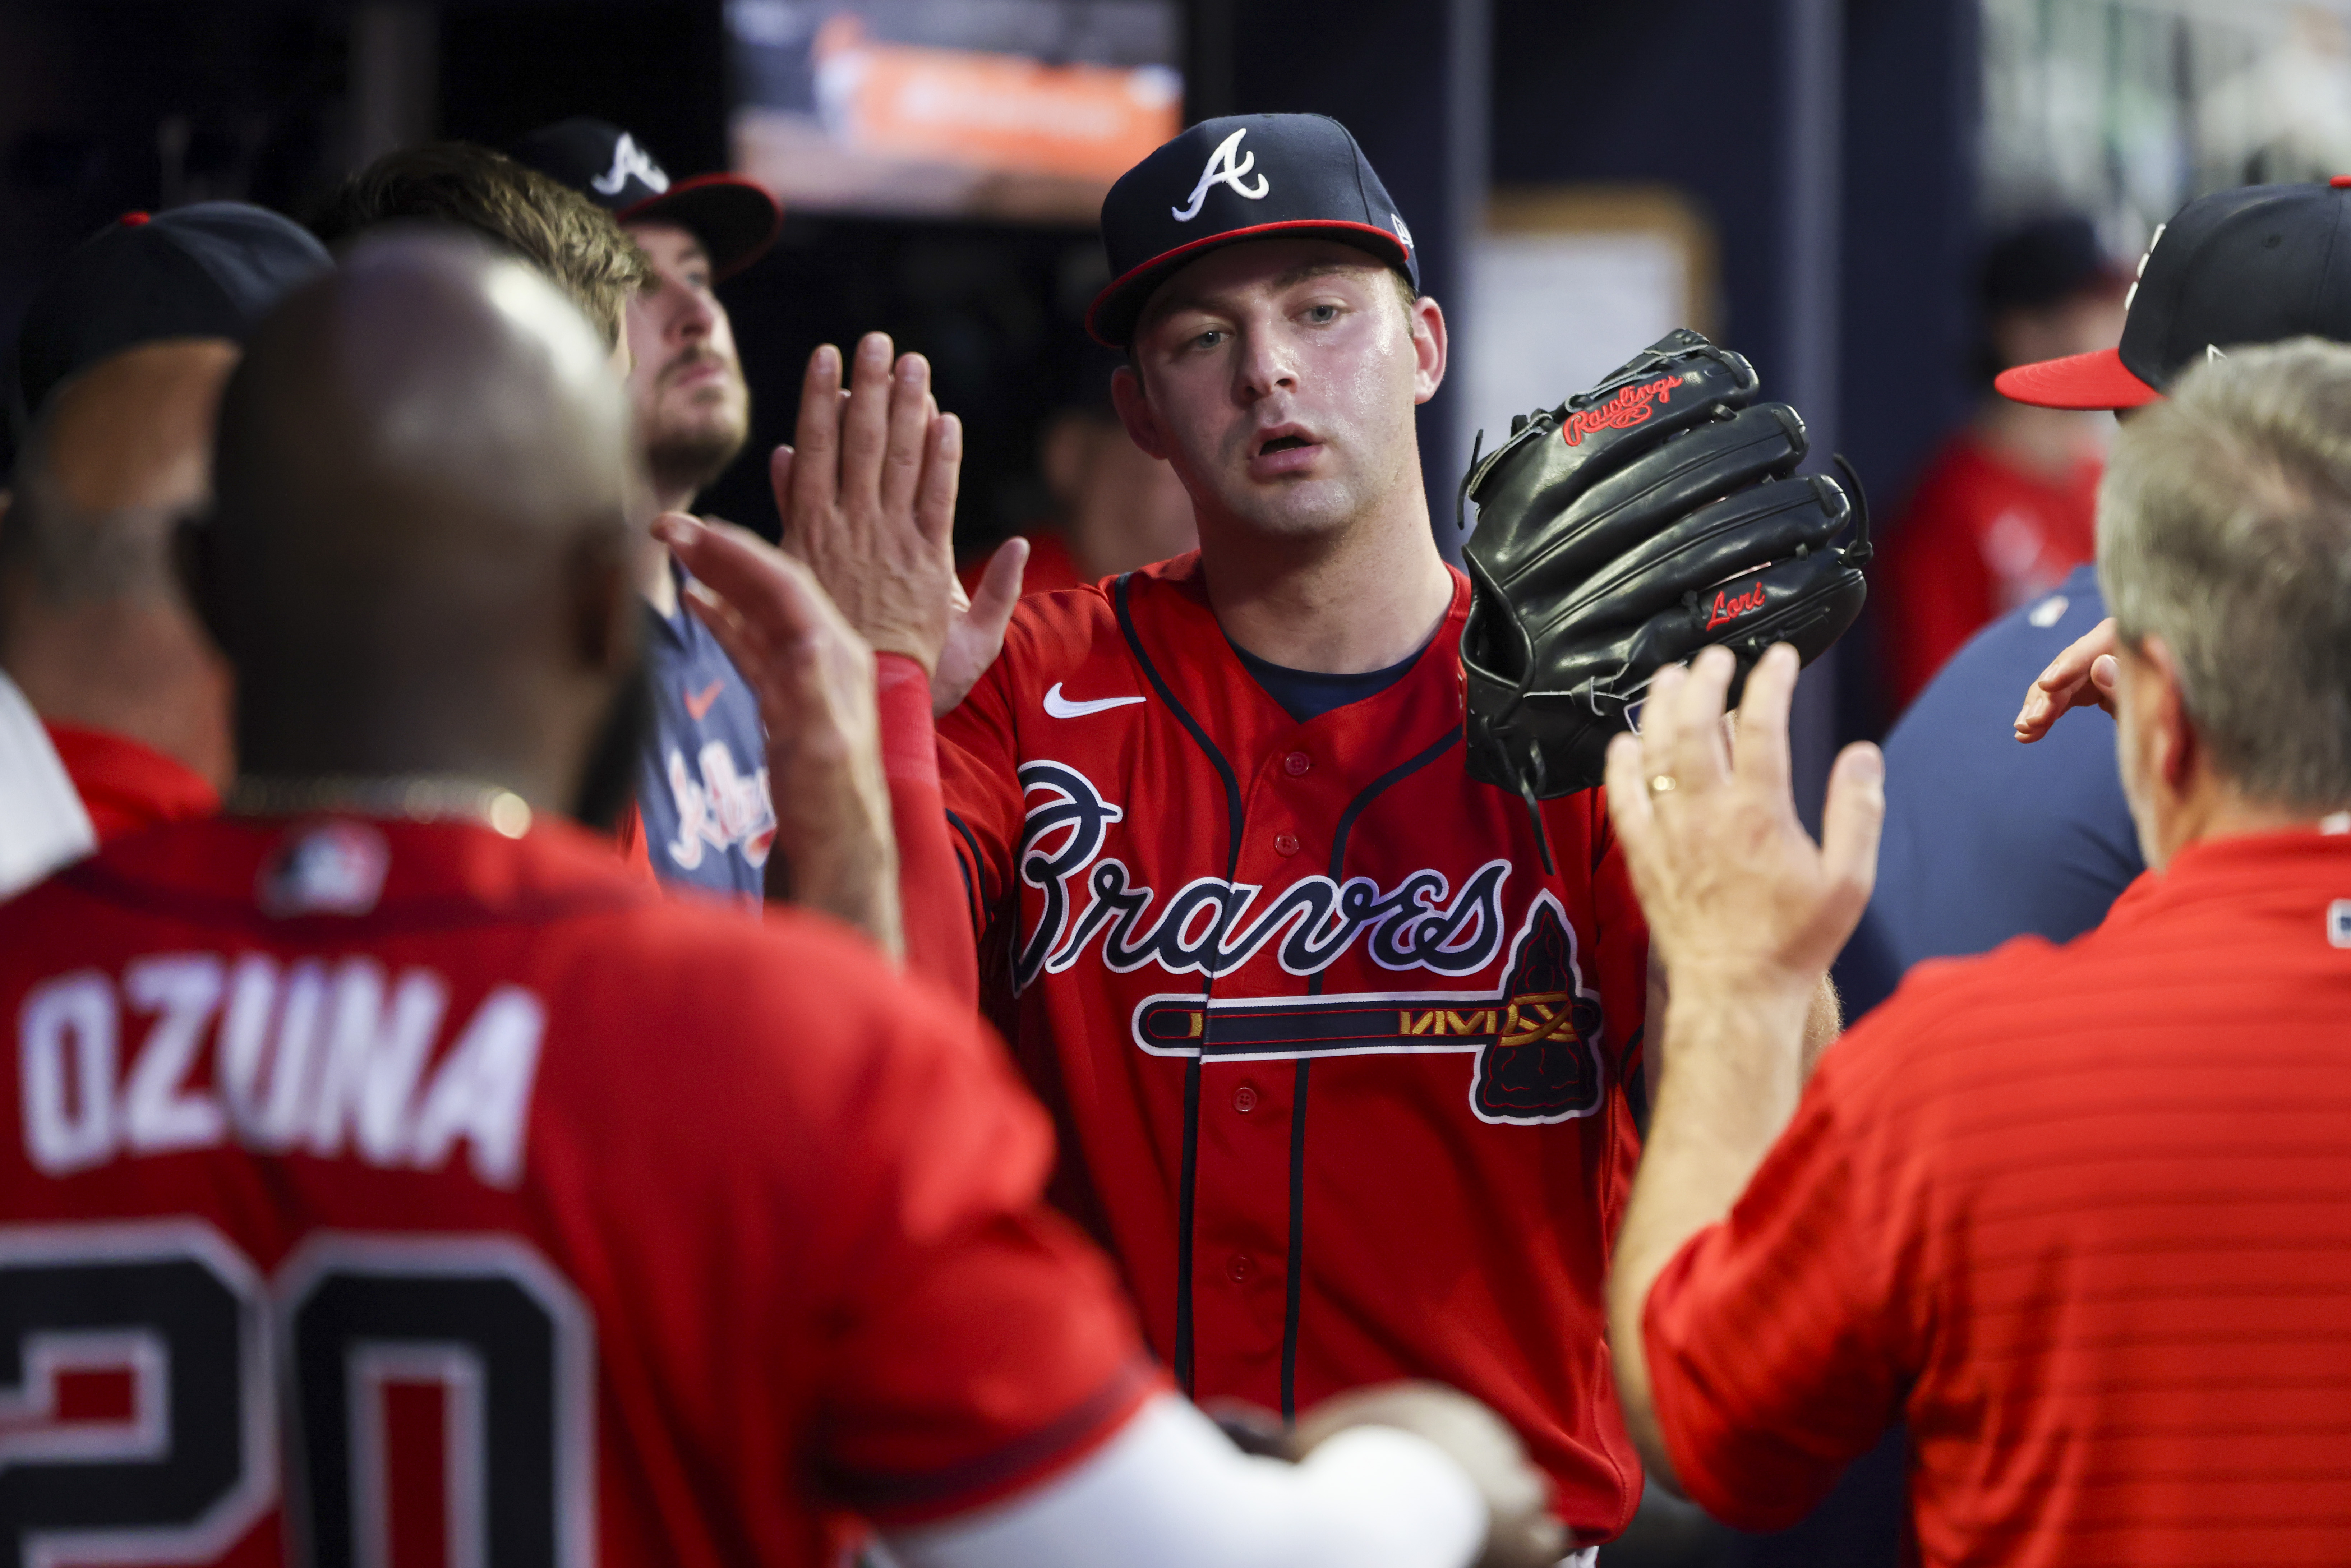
point(1337, 1064)
point(391, 1192)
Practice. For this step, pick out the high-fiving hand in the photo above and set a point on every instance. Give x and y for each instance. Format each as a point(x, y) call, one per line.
point(867, 496)
point(1736, 894)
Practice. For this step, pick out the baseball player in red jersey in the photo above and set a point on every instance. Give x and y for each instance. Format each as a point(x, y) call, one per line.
point(1345, 1077)
point(397, 1174)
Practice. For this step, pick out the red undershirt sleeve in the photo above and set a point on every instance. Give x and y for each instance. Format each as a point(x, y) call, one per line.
point(933, 911)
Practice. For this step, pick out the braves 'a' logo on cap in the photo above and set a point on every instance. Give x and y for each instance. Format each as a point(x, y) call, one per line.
point(1222, 171)
point(628, 158)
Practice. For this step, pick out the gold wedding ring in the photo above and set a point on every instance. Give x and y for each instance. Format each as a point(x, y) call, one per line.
point(1663, 784)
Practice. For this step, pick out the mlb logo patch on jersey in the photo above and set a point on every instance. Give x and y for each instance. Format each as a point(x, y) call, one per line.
point(2338, 922)
point(324, 868)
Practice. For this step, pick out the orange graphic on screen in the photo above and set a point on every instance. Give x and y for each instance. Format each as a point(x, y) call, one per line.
point(990, 111)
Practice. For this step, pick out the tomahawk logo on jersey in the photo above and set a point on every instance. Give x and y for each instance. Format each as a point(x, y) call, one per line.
point(394, 1192)
point(1324, 1040)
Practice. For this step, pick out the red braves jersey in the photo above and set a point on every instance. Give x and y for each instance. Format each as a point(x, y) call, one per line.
point(1335, 1062)
point(2080, 1216)
point(392, 1193)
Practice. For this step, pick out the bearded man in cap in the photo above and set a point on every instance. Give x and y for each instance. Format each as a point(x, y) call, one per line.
point(704, 796)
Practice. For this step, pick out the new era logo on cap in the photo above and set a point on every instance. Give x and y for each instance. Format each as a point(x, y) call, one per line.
point(2257, 264)
point(1243, 177)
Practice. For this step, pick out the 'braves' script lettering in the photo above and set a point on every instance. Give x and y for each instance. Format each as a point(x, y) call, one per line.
point(1208, 927)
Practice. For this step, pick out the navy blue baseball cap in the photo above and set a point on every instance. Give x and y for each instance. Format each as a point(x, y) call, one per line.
point(210, 270)
point(734, 218)
point(2256, 265)
point(1243, 177)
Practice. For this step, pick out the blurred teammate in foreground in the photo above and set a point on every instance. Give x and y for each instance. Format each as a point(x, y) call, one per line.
point(712, 792)
point(722, 835)
point(2081, 1216)
point(368, 1098)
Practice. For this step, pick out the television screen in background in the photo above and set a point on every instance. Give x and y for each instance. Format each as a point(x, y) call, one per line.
point(1023, 109)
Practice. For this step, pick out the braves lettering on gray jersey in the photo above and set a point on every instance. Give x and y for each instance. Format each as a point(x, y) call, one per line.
point(702, 783)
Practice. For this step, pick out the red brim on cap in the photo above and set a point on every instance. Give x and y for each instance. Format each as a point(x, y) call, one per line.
point(2098, 380)
point(734, 218)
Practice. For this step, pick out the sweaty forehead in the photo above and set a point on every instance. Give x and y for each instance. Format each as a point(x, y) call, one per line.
point(1228, 275)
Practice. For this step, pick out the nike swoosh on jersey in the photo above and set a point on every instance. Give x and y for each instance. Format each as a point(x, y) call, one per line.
point(698, 703)
point(1060, 707)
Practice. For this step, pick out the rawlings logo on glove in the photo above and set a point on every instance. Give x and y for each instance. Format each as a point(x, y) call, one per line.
point(1626, 409)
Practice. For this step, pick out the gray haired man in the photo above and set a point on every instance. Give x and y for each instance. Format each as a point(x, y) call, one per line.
point(2081, 1216)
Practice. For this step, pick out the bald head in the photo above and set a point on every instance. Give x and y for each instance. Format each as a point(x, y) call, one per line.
point(418, 555)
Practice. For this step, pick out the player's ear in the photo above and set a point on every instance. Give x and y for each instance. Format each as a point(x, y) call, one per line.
point(2162, 708)
point(1428, 347)
point(1134, 411)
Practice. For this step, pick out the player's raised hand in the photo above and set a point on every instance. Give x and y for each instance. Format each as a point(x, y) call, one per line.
point(1736, 892)
point(813, 674)
point(1522, 1531)
point(2084, 675)
point(867, 496)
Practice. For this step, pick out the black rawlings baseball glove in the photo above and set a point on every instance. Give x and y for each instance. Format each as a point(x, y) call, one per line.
point(1624, 531)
